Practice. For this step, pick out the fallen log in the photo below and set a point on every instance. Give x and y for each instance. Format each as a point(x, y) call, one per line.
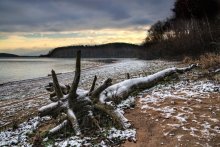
point(125, 88)
point(88, 110)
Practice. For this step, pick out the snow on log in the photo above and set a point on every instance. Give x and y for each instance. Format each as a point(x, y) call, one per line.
point(58, 128)
point(73, 120)
point(46, 110)
point(122, 119)
point(125, 88)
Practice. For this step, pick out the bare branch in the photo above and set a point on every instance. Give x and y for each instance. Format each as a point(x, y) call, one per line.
point(72, 93)
point(106, 84)
point(93, 84)
point(56, 85)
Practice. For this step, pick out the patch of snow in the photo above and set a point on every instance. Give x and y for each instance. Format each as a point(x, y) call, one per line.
point(122, 134)
point(174, 125)
point(181, 117)
point(128, 103)
point(217, 129)
point(214, 120)
point(111, 135)
point(19, 136)
point(192, 132)
point(179, 137)
point(75, 141)
point(167, 111)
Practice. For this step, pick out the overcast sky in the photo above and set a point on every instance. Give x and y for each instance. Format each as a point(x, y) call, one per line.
point(28, 26)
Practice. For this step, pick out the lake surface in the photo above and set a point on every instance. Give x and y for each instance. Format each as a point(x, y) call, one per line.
point(14, 69)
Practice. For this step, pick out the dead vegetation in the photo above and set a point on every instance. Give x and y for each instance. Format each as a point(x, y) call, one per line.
point(209, 64)
point(206, 61)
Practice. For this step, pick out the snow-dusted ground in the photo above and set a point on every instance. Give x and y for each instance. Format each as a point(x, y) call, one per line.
point(182, 108)
point(20, 136)
point(22, 98)
point(185, 108)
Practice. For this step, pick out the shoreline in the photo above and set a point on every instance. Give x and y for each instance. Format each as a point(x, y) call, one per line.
point(23, 98)
point(88, 63)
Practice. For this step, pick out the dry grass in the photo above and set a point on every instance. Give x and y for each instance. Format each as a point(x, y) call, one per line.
point(209, 60)
point(206, 61)
point(209, 64)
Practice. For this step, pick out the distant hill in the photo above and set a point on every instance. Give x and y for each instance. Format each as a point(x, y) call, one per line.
point(110, 50)
point(8, 55)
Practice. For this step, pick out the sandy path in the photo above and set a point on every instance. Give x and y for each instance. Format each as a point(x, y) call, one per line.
point(21, 99)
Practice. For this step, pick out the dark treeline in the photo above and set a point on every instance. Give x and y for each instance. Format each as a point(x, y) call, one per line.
point(111, 50)
point(193, 29)
point(8, 55)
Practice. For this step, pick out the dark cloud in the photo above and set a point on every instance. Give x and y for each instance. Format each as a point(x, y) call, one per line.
point(70, 15)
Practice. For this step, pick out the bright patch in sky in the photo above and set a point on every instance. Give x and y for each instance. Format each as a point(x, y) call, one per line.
point(48, 40)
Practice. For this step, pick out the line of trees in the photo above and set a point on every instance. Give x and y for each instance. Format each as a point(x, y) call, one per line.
point(192, 29)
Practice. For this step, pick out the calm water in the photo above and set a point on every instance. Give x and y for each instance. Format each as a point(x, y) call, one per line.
point(13, 69)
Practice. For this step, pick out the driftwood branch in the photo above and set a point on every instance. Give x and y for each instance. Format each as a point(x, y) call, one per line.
point(72, 93)
point(58, 128)
point(57, 88)
point(93, 85)
point(71, 116)
point(95, 94)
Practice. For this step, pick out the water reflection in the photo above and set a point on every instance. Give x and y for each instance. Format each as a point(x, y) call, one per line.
point(13, 69)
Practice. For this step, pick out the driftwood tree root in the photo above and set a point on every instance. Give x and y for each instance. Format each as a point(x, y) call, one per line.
point(86, 110)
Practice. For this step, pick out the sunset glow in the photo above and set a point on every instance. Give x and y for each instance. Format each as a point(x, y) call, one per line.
point(49, 40)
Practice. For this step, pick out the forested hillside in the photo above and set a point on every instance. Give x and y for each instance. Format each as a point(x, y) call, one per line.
point(111, 50)
point(7, 55)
